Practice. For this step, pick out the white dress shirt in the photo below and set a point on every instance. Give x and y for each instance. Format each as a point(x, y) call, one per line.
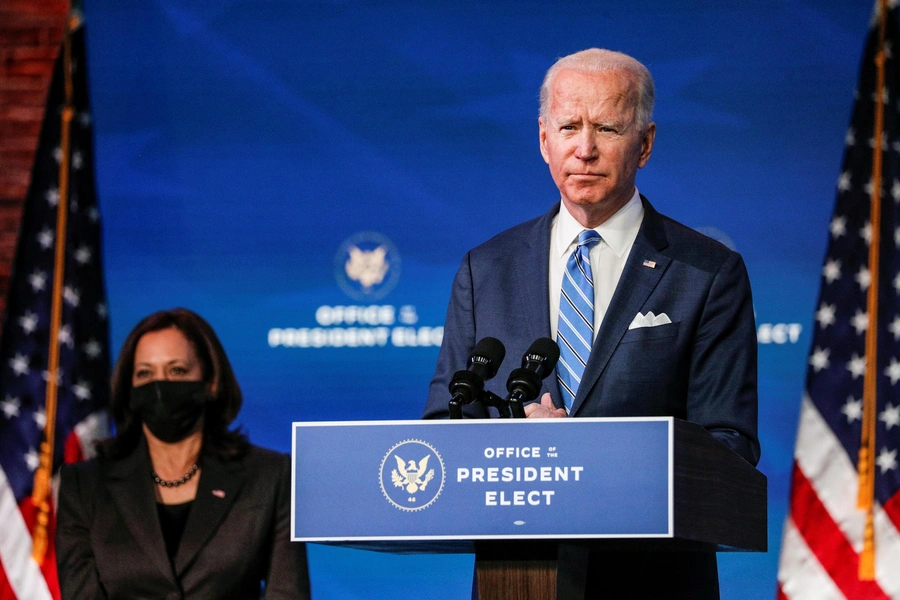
point(607, 258)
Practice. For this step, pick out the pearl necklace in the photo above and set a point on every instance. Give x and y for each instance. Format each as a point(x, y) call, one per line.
point(183, 479)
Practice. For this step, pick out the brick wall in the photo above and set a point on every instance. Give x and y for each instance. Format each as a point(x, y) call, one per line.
point(30, 36)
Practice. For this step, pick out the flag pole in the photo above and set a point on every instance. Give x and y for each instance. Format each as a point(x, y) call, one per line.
point(41, 492)
point(866, 465)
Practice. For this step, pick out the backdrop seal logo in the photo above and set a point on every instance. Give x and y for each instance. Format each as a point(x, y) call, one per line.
point(412, 475)
point(367, 266)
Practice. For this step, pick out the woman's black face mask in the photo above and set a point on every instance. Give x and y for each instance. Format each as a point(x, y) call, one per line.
point(170, 409)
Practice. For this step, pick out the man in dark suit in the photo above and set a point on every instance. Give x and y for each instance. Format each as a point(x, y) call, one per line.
point(652, 318)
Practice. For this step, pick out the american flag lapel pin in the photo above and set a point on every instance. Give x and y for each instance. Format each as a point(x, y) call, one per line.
point(650, 263)
point(218, 493)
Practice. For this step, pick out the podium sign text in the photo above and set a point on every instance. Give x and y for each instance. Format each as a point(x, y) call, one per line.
point(482, 479)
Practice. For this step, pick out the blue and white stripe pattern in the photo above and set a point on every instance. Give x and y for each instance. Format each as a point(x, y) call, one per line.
point(575, 328)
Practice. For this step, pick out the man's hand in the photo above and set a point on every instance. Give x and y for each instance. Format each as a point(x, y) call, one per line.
point(544, 410)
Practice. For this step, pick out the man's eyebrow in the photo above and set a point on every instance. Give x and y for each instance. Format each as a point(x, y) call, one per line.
point(621, 126)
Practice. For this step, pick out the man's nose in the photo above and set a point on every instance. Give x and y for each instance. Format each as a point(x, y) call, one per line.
point(587, 145)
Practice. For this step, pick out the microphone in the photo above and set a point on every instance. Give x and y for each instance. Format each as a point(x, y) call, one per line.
point(524, 383)
point(466, 386)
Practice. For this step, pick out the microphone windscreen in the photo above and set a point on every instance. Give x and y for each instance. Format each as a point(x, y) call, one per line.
point(546, 348)
point(493, 350)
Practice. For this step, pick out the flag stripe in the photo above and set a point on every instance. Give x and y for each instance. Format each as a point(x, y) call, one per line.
point(827, 542)
point(892, 509)
point(24, 575)
point(828, 469)
point(808, 580)
point(6, 591)
point(887, 553)
point(825, 463)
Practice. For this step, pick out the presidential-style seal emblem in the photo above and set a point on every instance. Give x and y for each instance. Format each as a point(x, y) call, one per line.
point(367, 266)
point(412, 475)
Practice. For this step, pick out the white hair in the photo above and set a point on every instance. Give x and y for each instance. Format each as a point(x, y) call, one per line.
point(597, 60)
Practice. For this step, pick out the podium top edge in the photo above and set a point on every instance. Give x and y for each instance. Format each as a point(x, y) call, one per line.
point(296, 424)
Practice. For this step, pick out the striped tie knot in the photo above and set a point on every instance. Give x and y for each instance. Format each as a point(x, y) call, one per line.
point(575, 327)
point(588, 238)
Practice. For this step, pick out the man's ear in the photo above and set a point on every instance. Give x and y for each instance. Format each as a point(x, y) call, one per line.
point(542, 136)
point(647, 144)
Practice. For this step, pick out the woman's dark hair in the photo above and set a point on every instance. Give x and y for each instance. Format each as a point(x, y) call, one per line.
point(224, 392)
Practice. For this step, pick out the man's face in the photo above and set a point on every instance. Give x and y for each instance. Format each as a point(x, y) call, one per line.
point(592, 142)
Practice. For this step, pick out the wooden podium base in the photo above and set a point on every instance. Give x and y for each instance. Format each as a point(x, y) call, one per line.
point(516, 580)
point(531, 570)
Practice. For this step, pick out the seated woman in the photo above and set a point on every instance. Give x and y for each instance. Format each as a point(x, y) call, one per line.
point(178, 505)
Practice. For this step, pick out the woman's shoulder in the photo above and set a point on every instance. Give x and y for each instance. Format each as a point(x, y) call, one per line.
point(102, 467)
point(84, 478)
point(83, 470)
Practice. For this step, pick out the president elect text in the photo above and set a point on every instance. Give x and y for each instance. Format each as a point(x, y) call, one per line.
point(510, 474)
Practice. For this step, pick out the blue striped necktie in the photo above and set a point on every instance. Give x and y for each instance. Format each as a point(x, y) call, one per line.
point(575, 327)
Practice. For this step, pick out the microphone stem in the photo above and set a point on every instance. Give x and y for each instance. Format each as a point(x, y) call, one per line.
point(516, 399)
point(456, 404)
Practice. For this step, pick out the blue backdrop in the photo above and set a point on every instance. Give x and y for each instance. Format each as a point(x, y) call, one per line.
point(244, 147)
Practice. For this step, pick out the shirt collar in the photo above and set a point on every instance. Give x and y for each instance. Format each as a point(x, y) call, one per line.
point(618, 231)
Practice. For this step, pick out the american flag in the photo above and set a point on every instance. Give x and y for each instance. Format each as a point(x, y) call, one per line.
point(842, 535)
point(26, 572)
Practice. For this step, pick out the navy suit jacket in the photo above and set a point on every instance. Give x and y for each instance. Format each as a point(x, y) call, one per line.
point(109, 542)
point(701, 367)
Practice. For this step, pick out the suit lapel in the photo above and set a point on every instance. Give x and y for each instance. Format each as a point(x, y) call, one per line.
point(131, 489)
point(219, 486)
point(635, 286)
point(532, 299)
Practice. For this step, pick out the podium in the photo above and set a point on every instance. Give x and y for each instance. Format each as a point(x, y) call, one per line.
point(500, 488)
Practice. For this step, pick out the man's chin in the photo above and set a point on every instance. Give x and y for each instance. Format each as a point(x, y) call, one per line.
point(595, 207)
point(586, 200)
point(596, 195)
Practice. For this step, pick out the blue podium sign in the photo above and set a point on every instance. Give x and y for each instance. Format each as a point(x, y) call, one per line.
point(482, 479)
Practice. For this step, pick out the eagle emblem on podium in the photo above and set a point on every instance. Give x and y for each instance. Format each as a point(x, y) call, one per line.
point(411, 476)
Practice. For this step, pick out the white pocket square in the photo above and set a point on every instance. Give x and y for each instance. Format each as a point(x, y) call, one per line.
point(649, 320)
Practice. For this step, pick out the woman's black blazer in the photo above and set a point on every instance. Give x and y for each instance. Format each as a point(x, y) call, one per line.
point(110, 545)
